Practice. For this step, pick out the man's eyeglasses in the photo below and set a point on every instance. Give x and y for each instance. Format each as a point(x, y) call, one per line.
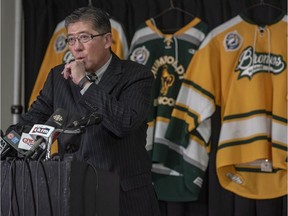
point(82, 38)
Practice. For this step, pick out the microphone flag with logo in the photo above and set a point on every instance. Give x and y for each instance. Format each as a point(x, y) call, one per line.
point(48, 132)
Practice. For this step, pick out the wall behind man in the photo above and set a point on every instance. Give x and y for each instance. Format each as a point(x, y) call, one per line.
point(7, 62)
point(42, 16)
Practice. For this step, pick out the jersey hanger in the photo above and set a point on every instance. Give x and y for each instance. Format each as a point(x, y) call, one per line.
point(256, 11)
point(262, 3)
point(171, 24)
point(171, 8)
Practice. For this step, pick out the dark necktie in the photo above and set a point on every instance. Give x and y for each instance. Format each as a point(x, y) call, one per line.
point(92, 77)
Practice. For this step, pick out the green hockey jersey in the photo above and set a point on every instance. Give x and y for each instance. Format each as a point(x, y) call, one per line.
point(177, 169)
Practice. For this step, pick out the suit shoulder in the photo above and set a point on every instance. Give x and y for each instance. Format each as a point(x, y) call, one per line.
point(131, 64)
point(57, 70)
point(59, 67)
point(137, 71)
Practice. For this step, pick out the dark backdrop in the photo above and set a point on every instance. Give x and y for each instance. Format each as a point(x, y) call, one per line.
point(41, 18)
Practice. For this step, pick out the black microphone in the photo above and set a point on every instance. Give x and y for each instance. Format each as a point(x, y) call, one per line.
point(71, 135)
point(4, 148)
point(93, 118)
point(8, 146)
point(48, 132)
point(76, 125)
point(9, 143)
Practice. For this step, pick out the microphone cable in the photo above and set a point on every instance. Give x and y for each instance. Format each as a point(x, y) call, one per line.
point(4, 177)
point(97, 184)
point(23, 188)
point(36, 185)
point(10, 186)
point(25, 162)
point(59, 186)
point(3, 182)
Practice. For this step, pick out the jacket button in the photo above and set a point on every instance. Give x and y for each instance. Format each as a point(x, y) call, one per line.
point(86, 157)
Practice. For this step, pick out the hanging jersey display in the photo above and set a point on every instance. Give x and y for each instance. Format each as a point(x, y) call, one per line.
point(242, 68)
point(57, 52)
point(177, 170)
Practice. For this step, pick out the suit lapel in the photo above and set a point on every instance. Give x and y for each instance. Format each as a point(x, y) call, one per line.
point(112, 75)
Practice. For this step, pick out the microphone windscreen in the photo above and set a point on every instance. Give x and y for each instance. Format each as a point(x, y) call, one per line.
point(72, 120)
point(58, 119)
point(69, 143)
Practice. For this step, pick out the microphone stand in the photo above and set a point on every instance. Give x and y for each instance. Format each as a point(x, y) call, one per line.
point(58, 131)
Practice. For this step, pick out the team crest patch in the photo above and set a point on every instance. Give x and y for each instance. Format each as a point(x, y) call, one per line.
point(60, 43)
point(232, 41)
point(140, 55)
point(251, 62)
point(167, 80)
point(67, 57)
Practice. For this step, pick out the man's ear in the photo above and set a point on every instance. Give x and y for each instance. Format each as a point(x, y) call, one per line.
point(108, 40)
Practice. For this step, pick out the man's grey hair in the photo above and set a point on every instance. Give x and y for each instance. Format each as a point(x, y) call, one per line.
point(98, 18)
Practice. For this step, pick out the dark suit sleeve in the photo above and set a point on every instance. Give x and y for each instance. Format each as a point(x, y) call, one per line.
point(42, 108)
point(122, 97)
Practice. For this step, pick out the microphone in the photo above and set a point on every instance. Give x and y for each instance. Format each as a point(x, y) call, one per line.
point(72, 134)
point(76, 125)
point(11, 142)
point(4, 147)
point(8, 146)
point(48, 132)
point(93, 118)
point(26, 142)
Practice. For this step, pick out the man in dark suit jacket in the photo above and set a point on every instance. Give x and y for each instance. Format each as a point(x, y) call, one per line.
point(120, 95)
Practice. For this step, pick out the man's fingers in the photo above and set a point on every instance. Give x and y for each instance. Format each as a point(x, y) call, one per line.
point(66, 72)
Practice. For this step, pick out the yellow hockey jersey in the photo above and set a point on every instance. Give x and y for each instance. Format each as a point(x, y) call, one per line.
point(57, 52)
point(241, 67)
